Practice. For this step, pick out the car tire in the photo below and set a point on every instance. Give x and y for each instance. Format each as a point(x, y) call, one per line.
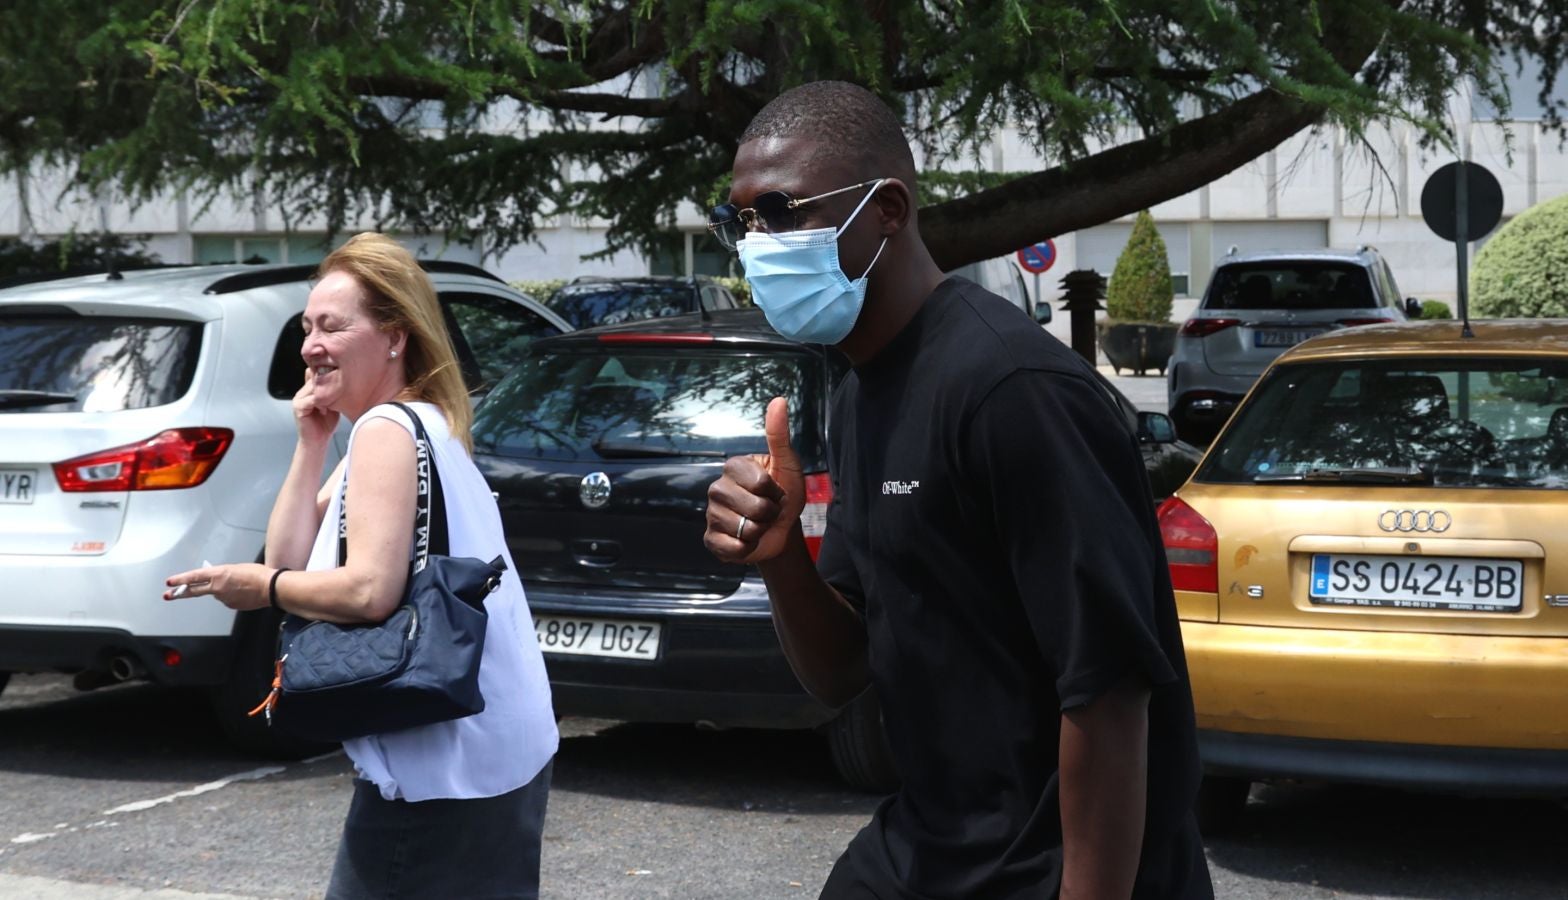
point(859, 746)
point(250, 678)
point(1222, 801)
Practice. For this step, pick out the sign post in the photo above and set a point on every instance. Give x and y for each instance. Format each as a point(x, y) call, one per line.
point(1037, 259)
point(1462, 202)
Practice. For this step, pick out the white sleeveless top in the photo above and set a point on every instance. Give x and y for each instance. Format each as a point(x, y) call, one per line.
point(505, 746)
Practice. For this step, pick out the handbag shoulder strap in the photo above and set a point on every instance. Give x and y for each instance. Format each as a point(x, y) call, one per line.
point(430, 524)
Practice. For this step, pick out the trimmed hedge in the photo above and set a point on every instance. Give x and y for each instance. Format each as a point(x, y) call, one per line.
point(1435, 309)
point(1140, 288)
point(1522, 272)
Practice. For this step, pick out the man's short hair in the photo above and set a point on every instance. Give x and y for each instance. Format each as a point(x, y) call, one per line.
point(857, 127)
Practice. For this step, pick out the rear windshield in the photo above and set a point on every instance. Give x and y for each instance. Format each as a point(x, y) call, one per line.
point(1291, 285)
point(1475, 423)
point(587, 305)
point(644, 403)
point(94, 364)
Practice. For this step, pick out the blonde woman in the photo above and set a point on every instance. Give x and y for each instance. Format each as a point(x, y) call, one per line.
point(453, 809)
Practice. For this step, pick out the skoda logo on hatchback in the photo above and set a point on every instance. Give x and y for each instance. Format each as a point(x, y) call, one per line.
point(595, 490)
point(1419, 520)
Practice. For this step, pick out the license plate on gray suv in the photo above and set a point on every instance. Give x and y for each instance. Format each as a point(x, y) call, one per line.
point(1281, 337)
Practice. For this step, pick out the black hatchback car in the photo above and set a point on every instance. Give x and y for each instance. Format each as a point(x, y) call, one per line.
point(601, 446)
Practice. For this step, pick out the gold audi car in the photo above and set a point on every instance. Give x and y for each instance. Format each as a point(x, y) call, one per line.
point(1371, 565)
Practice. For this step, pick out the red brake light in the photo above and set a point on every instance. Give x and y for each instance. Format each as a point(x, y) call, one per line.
point(814, 517)
point(1191, 547)
point(1206, 327)
point(177, 458)
point(645, 338)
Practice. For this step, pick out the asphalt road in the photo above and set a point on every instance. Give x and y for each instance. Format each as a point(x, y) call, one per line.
point(130, 794)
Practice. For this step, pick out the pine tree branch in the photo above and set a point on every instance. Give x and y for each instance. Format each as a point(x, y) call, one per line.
point(1128, 177)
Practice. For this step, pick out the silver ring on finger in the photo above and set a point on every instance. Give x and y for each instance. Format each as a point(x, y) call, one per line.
point(740, 528)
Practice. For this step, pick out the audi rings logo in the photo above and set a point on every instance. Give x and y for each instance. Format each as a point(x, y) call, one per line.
point(1425, 521)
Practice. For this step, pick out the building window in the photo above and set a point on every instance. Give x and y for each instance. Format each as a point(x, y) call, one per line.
point(1523, 80)
point(296, 249)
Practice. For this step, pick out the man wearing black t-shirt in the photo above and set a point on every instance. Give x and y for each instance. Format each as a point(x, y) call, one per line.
point(991, 565)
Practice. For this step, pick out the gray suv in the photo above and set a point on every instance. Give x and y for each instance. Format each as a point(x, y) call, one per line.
point(1256, 307)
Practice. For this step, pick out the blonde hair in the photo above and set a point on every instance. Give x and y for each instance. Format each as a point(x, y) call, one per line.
point(399, 296)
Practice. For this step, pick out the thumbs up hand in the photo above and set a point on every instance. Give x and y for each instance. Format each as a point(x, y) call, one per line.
point(753, 508)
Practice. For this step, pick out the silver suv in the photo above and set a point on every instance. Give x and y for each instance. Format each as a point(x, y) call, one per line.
point(145, 426)
point(1257, 306)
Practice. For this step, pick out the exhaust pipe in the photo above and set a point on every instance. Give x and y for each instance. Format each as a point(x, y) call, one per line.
point(124, 668)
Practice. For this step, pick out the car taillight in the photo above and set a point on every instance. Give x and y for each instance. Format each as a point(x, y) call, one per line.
point(1206, 327)
point(1351, 323)
point(1191, 547)
point(177, 458)
point(814, 517)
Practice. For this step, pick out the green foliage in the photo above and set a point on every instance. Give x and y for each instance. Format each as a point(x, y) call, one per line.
point(738, 286)
point(1435, 309)
point(93, 252)
point(1140, 288)
point(487, 117)
point(539, 289)
point(1520, 271)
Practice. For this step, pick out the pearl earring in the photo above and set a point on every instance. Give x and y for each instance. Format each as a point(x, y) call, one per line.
point(394, 354)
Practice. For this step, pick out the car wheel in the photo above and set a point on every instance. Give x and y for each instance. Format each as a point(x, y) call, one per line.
point(859, 746)
point(1222, 801)
point(250, 678)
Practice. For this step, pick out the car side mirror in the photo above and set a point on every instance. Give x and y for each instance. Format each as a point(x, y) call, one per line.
point(1412, 307)
point(1042, 313)
point(1156, 428)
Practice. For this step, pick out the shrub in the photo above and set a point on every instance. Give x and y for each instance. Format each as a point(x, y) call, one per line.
point(87, 252)
point(740, 287)
point(1435, 309)
point(539, 289)
point(1523, 270)
point(1140, 288)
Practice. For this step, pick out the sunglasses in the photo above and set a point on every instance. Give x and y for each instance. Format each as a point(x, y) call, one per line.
point(774, 212)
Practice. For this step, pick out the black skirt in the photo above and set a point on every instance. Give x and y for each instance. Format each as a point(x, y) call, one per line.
point(484, 849)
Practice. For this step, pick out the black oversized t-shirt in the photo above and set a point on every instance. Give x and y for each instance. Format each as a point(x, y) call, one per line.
point(992, 519)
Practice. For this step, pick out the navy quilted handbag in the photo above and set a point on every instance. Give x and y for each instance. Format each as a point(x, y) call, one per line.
point(419, 666)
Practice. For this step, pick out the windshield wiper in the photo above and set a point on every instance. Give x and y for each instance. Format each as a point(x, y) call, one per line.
point(13, 399)
point(614, 450)
point(1369, 475)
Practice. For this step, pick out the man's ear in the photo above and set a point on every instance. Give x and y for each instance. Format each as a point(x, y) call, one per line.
point(895, 206)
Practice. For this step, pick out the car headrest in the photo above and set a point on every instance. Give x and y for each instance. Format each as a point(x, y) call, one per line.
point(1415, 397)
point(1257, 290)
point(1558, 429)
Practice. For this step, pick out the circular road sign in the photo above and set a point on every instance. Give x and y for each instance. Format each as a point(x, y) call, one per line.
point(1483, 201)
point(1039, 257)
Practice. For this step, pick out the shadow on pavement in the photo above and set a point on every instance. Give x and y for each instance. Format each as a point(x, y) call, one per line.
point(129, 733)
point(780, 770)
point(1397, 844)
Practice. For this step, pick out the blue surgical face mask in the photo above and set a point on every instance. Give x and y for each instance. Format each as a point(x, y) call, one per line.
point(796, 279)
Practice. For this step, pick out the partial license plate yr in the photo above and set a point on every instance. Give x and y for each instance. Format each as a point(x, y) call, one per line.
point(1424, 582)
point(1277, 337)
point(17, 485)
point(598, 637)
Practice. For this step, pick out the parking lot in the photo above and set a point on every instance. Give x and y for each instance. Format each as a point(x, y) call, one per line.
point(131, 793)
point(132, 787)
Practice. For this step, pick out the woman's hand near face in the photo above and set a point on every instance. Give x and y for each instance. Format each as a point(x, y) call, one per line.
point(315, 423)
